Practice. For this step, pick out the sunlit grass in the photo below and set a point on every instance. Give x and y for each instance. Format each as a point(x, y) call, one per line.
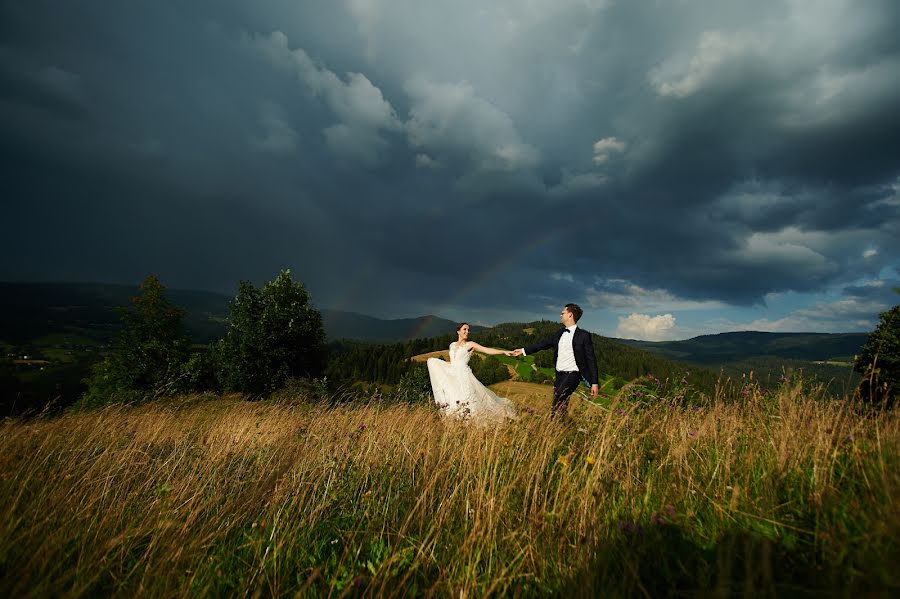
point(784, 492)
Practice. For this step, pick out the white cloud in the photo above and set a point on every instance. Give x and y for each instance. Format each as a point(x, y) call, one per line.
point(279, 136)
point(363, 146)
point(452, 123)
point(619, 293)
point(876, 283)
point(838, 316)
point(714, 51)
point(646, 327)
point(604, 147)
point(560, 276)
point(361, 108)
point(841, 309)
point(426, 161)
point(790, 248)
point(870, 253)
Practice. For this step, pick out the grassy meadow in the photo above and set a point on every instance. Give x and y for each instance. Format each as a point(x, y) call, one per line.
point(781, 493)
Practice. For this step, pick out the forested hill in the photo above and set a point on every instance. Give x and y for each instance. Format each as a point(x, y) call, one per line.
point(825, 357)
point(738, 346)
point(32, 310)
point(350, 325)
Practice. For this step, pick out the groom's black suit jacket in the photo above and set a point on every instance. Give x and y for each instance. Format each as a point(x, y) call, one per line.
point(581, 345)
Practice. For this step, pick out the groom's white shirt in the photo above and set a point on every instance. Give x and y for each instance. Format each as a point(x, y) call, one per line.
point(565, 355)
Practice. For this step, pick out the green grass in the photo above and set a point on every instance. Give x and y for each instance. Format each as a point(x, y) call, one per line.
point(779, 494)
point(609, 385)
point(524, 367)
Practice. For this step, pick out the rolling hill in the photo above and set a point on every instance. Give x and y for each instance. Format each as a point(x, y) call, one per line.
point(359, 327)
point(826, 357)
point(33, 310)
point(716, 350)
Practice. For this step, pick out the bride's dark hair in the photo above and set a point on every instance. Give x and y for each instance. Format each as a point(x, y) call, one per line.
point(461, 325)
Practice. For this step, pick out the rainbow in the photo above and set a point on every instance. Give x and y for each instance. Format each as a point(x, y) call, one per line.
point(504, 262)
point(486, 275)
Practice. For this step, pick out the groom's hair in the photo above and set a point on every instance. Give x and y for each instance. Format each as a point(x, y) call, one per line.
point(576, 311)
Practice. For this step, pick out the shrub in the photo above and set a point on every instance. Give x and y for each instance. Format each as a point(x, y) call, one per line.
point(879, 361)
point(415, 385)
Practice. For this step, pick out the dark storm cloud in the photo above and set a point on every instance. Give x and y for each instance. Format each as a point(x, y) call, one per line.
point(399, 155)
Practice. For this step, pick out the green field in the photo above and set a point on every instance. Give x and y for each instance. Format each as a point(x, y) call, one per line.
point(609, 385)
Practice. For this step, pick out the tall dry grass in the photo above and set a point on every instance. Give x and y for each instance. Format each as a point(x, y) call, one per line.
point(779, 493)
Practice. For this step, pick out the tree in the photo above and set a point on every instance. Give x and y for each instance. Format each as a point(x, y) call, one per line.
point(273, 335)
point(544, 359)
point(489, 370)
point(147, 354)
point(879, 360)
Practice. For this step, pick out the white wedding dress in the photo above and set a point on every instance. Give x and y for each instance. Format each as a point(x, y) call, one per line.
point(459, 394)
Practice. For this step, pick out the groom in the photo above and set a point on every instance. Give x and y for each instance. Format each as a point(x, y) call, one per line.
point(574, 355)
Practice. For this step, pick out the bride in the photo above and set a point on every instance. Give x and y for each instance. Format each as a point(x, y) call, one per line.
point(456, 390)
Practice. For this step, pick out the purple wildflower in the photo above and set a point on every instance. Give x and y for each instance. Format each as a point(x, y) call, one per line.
point(657, 519)
point(692, 433)
point(670, 509)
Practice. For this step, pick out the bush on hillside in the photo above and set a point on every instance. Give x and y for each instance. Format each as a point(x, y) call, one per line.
point(414, 385)
point(273, 334)
point(879, 361)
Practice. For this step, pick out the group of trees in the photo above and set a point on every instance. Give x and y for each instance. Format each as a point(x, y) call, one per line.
point(353, 361)
point(273, 335)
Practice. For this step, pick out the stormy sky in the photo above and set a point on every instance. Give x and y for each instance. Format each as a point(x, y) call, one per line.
point(676, 167)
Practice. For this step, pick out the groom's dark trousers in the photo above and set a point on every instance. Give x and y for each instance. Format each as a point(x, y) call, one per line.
point(563, 387)
point(566, 382)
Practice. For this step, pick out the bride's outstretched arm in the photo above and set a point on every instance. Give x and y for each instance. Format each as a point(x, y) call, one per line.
point(488, 350)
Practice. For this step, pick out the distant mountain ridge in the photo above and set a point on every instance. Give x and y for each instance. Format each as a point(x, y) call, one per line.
point(29, 310)
point(351, 325)
point(712, 350)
